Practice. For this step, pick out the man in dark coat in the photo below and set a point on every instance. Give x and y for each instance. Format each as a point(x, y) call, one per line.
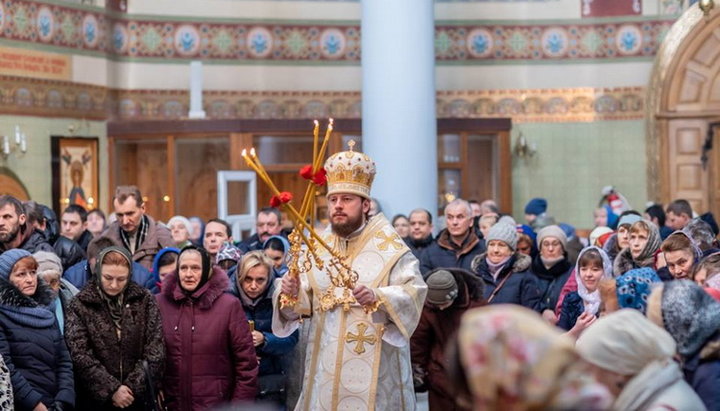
point(266, 226)
point(16, 231)
point(73, 225)
point(451, 292)
point(421, 229)
point(135, 230)
point(457, 245)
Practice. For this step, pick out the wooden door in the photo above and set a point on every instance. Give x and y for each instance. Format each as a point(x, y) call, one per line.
point(688, 179)
point(714, 167)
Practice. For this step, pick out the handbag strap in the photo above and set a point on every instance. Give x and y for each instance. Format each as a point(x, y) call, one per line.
point(500, 286)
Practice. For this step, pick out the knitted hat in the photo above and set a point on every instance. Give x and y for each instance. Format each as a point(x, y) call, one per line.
point(182, 220)
point(228, 252)
point(507, 220)
point(628, 219)
point(505, 233)
point(689, 314)
point(442, 288)
point(9, 258)
point(536, 206)
point(598, 232)
point(552, 231)
point(48, 261)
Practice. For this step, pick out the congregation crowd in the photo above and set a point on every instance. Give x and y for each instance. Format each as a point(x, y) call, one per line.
point(126, 312)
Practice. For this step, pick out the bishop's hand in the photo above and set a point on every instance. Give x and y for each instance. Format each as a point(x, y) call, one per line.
point(290, 285)
point(364, 295)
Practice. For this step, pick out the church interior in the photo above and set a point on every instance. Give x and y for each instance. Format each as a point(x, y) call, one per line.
point(533, 98)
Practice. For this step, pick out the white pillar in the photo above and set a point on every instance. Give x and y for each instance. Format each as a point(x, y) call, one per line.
point(398, 102)
point(196, 90)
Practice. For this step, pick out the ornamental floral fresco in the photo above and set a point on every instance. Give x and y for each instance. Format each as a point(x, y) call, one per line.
point(125, 37)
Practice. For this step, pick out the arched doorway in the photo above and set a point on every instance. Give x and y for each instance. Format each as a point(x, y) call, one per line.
point(10, 184)
point(683, 99)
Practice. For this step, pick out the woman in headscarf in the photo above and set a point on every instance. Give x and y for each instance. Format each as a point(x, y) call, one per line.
point(277, 248)
point(692, 317)
point(633, 358)
point(552, 268)
point(198, 231)
point(580, 308)
point(508, 358)
point(254, 287)
point(211, 358)
point(644, 242)
point(113, 325)
point(30, 340)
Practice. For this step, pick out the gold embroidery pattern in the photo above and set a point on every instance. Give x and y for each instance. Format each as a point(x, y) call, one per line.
point(360, 339)
point(387, 241)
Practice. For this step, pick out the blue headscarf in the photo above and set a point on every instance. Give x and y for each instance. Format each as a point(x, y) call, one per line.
point(634, 287)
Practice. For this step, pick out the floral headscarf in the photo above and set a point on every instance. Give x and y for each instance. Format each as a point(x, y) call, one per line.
point(511, 357)
point(634, 288)
point(592, 299)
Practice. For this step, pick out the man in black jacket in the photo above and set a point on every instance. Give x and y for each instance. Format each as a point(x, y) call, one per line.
point(421, 228)
point(455, 246)
point(15, 229)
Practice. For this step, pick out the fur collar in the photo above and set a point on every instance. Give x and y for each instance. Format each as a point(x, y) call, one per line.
point(624, 262)
point(520, 262)
point(11, 295)
point(204, 297)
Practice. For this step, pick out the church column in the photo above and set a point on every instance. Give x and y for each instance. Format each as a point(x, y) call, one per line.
point(398, 102)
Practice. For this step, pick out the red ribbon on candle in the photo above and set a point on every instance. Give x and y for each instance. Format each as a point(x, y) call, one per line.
point(319, 177)
point(280, 199)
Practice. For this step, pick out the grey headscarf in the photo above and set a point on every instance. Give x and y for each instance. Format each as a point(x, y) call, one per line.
point(689, 314)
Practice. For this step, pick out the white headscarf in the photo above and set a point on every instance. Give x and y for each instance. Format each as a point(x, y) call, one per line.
point(592, 299)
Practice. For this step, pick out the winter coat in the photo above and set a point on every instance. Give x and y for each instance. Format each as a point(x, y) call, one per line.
point(611, 247)
point(102, 361)
point(69, 251)
point(419, 246)
point(624, 262)
point(32, 241)
point(570, 286)
point(520, 288)
point(79, 274)
point(33, 348)
point(435, 329)
point(444, 254)
point(571, 309)
point(702, 372)
point(157, 238)
point(551, 281)
point(261, 311)
point(210, 354)
point(251, 243)
point(84, 240)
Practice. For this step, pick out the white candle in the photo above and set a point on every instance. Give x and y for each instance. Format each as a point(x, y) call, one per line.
point(17, 134)
point(196, 89)
point(6, 145)
point(23, 143)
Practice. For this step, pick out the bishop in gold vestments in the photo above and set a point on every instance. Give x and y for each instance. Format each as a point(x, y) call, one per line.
point(357, 359)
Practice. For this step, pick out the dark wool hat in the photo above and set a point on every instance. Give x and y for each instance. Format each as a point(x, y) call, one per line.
point(9, 258)
point(536, 206)
point(442, 287)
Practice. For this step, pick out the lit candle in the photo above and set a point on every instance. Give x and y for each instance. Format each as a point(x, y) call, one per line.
point(23, 143)
point(316, 133)
point(320, 156)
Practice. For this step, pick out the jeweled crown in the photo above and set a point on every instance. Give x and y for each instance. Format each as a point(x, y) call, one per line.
point(350, 172)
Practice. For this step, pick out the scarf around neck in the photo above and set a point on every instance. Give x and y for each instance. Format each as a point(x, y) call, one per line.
point(140, 235)
point(114, 303)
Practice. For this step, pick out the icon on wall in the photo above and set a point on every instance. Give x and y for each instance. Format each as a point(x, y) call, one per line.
point(75, 172)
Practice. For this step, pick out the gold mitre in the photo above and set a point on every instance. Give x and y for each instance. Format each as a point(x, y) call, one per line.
point(350, 172)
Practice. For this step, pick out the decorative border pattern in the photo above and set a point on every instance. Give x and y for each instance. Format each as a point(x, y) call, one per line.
point(126, 38)
point(25, 96)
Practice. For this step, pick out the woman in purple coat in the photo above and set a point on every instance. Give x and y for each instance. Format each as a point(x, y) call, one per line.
point(211, 359)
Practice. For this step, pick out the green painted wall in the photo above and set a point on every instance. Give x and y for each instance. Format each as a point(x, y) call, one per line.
point(33, 168)
point(574, 161)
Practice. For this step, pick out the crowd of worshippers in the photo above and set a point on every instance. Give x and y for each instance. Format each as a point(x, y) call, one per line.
point(126, 312)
